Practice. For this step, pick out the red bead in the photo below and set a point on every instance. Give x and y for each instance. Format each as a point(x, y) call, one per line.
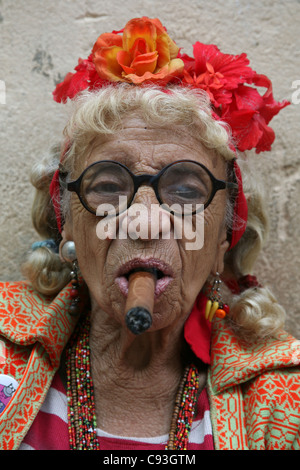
point(226, 308)
point(74, 293)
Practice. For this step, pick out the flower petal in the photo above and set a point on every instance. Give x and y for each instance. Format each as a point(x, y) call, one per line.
point(71, 85)
point(162, 45)
point(245, 129)
point(162, 33)
point(107, 40)
point(162, 77)
point(139, 28)
point(140, 46)
point(234, 68)
point(106, 63)
point(270, 107)
point(124, 58)
point(145, 63)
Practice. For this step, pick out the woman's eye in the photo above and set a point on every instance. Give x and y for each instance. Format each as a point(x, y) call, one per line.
point(105, 187)
point(187, 192)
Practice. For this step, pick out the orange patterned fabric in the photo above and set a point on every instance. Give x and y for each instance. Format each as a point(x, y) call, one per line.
point(254, 392)
point(34, 331)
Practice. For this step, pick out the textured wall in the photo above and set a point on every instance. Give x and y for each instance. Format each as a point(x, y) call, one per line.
point(41, 41)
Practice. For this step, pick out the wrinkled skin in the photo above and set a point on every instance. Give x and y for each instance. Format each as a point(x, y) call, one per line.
point(148, 367)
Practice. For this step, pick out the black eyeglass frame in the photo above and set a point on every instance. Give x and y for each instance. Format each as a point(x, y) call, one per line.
point(145, 179)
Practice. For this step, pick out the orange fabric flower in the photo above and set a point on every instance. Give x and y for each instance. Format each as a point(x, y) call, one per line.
point(145, 53)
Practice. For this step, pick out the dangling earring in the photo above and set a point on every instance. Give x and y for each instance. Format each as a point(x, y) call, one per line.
point(214, 305)
point(68, 253)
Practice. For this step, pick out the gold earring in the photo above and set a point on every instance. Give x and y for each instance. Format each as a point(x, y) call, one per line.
point(214, 305)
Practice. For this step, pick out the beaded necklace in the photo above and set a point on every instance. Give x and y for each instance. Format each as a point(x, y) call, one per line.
point(81, 404)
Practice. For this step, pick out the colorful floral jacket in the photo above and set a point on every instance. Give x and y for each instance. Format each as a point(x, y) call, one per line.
point(254, 393)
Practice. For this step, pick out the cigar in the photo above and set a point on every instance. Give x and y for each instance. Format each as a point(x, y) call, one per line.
point(140, 301)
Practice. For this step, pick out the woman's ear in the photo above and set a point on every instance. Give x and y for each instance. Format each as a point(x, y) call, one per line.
point(66, 236)
point(67, 229)
point(223, 246)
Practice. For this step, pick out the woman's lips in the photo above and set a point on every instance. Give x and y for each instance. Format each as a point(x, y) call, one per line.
point(163, 270)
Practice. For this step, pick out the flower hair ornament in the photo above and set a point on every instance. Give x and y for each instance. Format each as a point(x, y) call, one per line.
point(142, 53)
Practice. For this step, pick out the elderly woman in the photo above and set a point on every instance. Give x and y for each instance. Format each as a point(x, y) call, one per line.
point(127, 335)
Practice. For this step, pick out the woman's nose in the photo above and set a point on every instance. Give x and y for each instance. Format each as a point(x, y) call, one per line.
point(145, 219)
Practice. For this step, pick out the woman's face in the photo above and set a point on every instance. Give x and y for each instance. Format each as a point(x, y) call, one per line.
point(105, 263)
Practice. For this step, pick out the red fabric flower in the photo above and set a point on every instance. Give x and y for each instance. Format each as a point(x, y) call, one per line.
point(85, 77)
point(215, 72)
point(249, 114)
point(227, 79)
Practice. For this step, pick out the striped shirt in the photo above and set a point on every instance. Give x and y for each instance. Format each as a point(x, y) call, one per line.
point(49, 430)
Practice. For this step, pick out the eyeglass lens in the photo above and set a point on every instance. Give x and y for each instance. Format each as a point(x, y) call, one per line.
point(185, 184)
point(104, 183)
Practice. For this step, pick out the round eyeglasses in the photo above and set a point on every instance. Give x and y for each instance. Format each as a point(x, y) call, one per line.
point(185, 184)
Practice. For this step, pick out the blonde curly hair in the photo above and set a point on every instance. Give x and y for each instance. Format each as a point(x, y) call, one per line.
point(255, 314)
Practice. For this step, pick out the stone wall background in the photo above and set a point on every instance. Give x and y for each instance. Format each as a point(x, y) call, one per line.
point(41, 41)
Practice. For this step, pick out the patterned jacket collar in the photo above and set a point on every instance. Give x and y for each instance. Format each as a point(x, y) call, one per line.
point(233, 363)
point(27, 317)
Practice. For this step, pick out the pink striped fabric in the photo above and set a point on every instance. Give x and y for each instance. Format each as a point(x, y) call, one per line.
point(49, 431)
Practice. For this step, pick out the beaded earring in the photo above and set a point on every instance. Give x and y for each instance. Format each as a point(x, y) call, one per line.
point(215, 306)
point(68, 254)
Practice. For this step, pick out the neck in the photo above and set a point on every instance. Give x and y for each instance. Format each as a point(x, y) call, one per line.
point(135, 378)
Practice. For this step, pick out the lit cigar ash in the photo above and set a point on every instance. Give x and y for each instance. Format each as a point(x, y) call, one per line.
point(140, 301)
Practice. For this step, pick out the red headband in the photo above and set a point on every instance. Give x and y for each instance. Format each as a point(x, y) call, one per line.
point(240, 212)
point(56, 199)
point(142, 53)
